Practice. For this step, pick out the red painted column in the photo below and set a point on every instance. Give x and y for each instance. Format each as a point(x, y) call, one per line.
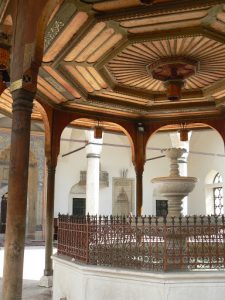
point(17, 195)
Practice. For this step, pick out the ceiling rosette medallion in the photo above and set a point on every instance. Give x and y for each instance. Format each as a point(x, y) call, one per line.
point(169, 65)
point(173, 71)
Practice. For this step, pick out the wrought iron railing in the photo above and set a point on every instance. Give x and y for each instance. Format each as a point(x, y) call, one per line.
point(146, 243)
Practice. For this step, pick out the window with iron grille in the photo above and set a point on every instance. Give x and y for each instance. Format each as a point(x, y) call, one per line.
point(218, 195)
point(218, 200)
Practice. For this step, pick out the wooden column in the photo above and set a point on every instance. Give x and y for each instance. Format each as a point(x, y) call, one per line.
point(46, 279)
point(53, 132)
point(48, 271)
point(139, 166)
point(139, 192)
point(17, 195)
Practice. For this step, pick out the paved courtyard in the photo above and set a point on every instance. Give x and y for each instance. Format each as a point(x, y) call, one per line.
point(33, 270)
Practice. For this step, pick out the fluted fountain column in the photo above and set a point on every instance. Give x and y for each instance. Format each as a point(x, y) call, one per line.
point(177, 143)
point(174, 201)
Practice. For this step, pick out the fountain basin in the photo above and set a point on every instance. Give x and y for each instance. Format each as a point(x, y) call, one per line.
point(171, 186)
point(174, 187)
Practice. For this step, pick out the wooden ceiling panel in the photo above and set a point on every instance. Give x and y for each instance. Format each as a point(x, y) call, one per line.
point(62, 81)
point(49, 89)
point(96, 43)
point(79, 77)
point(85, 42)
point(59, 43)
point(115, 5)
point(164, 19)
point(126, 98)
point(219, 95)
point(104, 47)
point(163, 27)
point(88, 77)
point(97, 77)
point(96, 106)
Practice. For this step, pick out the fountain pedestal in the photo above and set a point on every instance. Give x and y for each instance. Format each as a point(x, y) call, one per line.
point(174, 187)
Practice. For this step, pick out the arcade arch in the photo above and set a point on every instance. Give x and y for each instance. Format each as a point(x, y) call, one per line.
point(206, 152)
point(116, 168)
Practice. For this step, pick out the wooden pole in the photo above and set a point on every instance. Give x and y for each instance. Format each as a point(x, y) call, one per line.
point(48, 271)
point(17, 195)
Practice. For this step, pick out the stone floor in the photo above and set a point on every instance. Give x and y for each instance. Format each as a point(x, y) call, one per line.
point(33, 270)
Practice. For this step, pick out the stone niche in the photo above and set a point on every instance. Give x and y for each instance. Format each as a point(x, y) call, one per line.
point(123, 196)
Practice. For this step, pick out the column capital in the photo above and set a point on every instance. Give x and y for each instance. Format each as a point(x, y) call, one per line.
point(22, 100)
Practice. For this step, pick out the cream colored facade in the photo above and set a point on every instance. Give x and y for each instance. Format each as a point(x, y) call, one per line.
point(206, 157)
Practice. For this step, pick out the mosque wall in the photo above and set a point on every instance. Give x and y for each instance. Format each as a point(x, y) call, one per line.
point(116, 161)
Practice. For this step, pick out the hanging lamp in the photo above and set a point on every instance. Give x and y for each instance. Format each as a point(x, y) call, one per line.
point(183, 132)
point(98, 131)
point(173, 71)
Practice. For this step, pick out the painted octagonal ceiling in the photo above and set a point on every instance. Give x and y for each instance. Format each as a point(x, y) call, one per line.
point(131, 66)
point(99, 57)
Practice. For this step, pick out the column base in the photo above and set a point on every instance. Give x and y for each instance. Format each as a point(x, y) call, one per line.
point(46, 281)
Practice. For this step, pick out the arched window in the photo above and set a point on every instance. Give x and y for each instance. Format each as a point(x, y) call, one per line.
point(214, 193)
point(218, 178)
point(218, 195)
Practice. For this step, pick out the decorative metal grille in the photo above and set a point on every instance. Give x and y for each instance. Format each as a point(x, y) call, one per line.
point(218, 201)
point(146, 243)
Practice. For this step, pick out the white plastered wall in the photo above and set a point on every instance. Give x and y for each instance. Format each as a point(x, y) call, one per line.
point(68, 169)
point(154, 168)
point(116, 158)
point(210, 143)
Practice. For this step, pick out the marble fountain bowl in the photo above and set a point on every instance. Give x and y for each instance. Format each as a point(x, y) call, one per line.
point(174, 186)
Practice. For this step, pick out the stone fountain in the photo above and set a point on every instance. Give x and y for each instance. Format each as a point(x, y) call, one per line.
point(174, 187)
